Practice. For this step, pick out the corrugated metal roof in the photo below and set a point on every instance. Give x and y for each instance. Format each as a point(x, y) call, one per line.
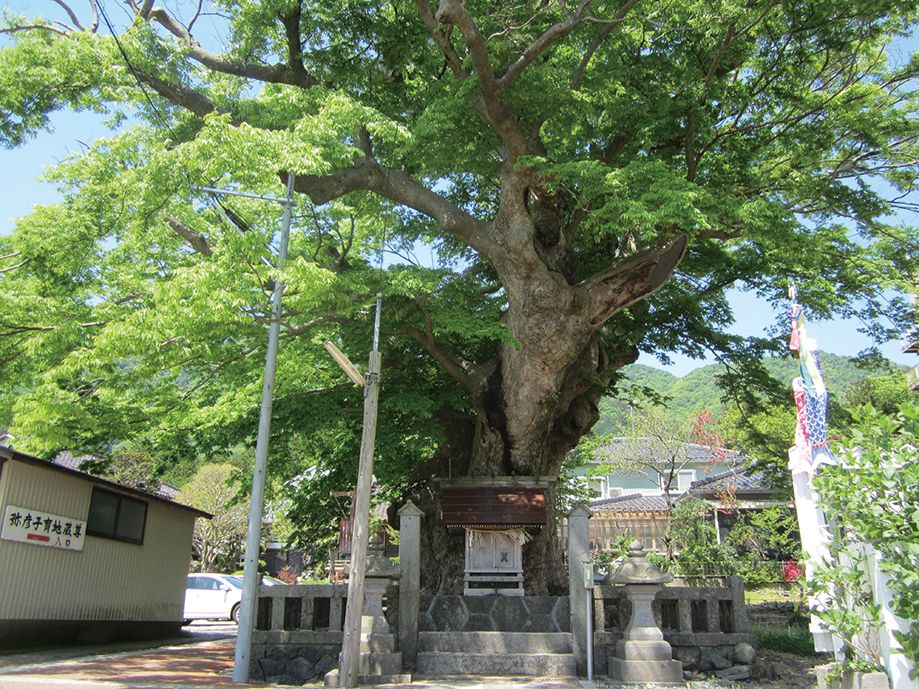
point(491, 506)
point(636, 502)
point(8, 453)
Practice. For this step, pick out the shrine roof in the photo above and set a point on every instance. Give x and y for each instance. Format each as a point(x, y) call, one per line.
point(493, 506)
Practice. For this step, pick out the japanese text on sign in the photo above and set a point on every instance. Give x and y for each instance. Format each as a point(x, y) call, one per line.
point(37, 527)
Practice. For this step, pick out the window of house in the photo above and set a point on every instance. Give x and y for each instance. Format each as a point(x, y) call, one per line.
point(116, 516)
point(685, 479)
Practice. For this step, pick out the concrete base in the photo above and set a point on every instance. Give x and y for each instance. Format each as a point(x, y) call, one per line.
point(646, 671)
point(495, 654)
point(380, 664)
point(850, 680)
point(643, 650)
point(505, 664)
point(491, 643)
point(26, 633)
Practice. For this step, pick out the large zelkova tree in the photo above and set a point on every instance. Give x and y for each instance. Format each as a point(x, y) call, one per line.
point(592, 177)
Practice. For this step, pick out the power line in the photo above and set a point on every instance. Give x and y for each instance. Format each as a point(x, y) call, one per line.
point(156, 110)
point(133, 71)
point(217, 203)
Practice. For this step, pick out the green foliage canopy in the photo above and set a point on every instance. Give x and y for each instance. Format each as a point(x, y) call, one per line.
point(544, 151)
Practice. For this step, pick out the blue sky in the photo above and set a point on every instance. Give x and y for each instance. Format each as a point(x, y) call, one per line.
point(20, 190)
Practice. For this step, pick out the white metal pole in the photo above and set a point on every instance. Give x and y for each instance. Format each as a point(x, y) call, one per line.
point(249, 602)
point(590, 635)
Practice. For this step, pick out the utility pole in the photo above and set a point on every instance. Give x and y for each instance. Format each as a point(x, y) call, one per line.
point(350, 647)
point(248, 604)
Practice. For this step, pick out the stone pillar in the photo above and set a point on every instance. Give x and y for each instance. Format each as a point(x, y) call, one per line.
point(578, 551)
point(684, 614)
point(741, 621)
point(713, 615)
point(409, 580)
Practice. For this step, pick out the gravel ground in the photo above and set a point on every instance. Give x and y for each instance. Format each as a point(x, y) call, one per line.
point(772, 670)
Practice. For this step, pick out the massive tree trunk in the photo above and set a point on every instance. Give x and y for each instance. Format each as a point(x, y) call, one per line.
point(540, 396)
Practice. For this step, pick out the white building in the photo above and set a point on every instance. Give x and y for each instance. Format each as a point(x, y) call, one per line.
point(83, 559)
point(614, 473)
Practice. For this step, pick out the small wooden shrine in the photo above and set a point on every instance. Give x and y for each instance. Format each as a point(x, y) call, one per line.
point(497, 515)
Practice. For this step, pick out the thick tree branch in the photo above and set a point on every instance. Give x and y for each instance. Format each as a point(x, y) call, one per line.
point(607, 29)
point(631, 280)
point(34, 27)
point(145, 9)
point(303, 328)
point(179, 94)
point(15, 329)
point(723, 235)
point(95, 8)
point(70, 13)
point(291, 22)
point(495, 112)
point(10, 269)
point(442, 39)
point(196, 240)
point(397, 186)
point(277, 74)
point(553, 34)
point(462, 371)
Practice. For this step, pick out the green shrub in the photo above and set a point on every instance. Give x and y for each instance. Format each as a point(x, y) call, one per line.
point(873, 498)
point(788, 639)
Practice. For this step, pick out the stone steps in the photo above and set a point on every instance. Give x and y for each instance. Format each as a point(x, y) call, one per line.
point(537, 664)
point(495, 653)
point(494, 642)
point(331, 679)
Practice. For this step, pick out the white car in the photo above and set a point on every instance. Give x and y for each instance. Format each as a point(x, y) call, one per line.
point(212, 597)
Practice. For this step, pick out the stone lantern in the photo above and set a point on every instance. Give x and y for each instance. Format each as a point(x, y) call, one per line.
point(642, 655)
point(379, 661)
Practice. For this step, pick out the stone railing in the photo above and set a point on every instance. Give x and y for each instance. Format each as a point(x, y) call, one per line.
point(693, 613)
point(298, 632)
point(302, 613)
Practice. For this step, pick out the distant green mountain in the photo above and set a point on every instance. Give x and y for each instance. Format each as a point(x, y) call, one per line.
point(698, 390)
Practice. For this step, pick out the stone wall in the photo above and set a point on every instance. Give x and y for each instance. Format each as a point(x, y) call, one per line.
point(442, 613)
point(292, 663)
point(704, 619)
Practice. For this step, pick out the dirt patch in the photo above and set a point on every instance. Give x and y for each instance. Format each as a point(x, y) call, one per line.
point(786, 669)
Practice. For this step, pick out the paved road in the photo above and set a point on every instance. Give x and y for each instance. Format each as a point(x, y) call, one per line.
point(203, 659)
point(202, 656)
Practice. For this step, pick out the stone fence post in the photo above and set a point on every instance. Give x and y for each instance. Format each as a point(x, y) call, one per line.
point(578, 551)
point(409, 581)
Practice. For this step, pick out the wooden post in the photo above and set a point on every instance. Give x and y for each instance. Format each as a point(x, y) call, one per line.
point(350, 647)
